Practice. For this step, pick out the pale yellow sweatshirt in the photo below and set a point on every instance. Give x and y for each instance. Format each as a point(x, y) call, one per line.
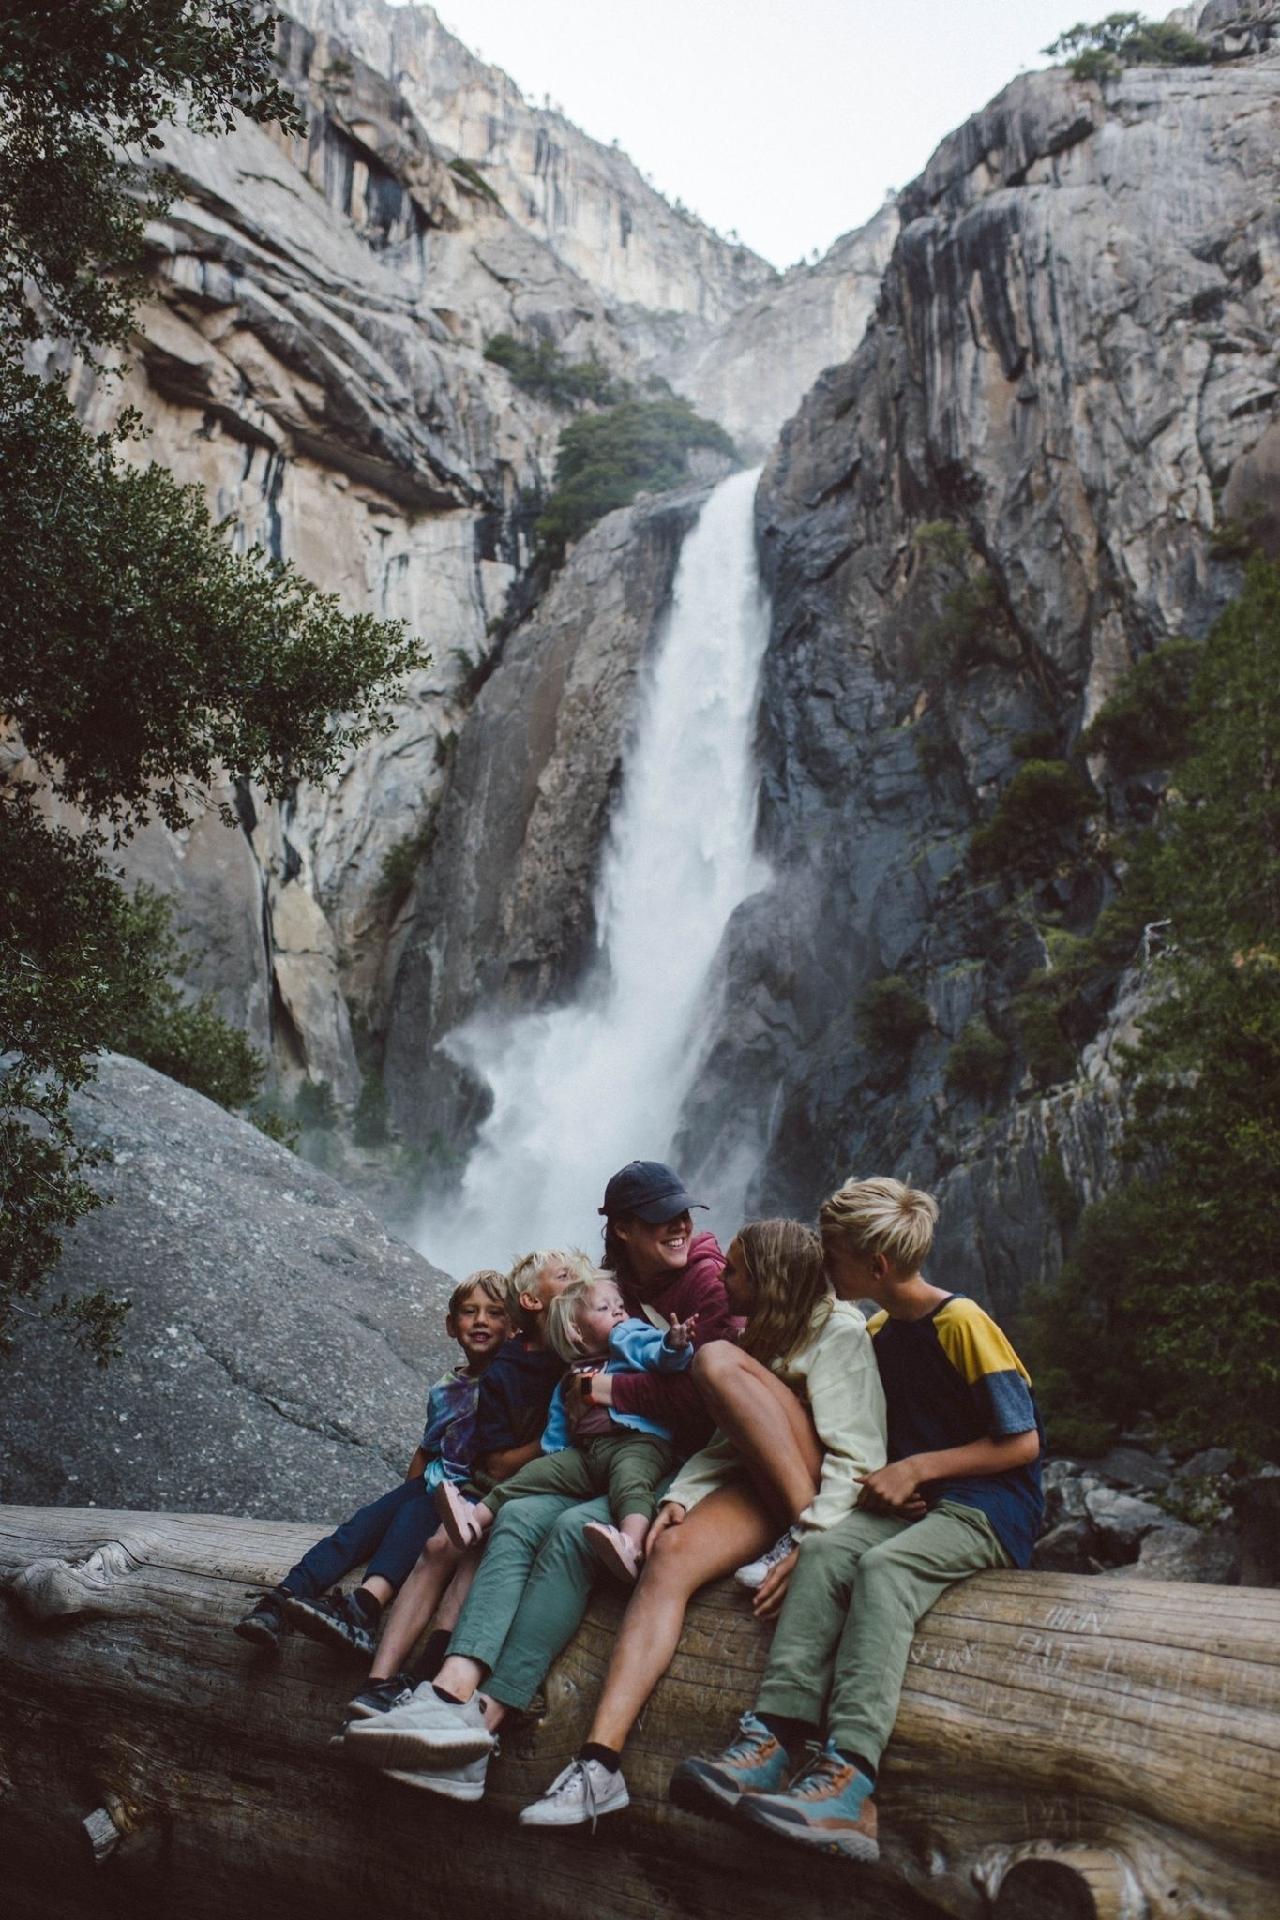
point(836, 1376)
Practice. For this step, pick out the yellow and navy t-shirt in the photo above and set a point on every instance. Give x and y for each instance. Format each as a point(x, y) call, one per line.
point(950, 1378)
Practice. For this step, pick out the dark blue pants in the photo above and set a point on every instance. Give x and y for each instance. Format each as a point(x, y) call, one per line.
point(389, 1533)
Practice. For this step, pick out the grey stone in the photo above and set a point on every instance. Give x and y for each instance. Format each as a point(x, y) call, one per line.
point(280, 1343)
point(1210, 1464)
point(1182, 1552)
point(1256, 1503)
point(1070, 1547)
point(1133, 1467)
point(1122, 1520)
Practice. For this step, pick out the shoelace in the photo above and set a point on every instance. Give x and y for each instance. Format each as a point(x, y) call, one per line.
point(817, 1776)
point(577, 1772)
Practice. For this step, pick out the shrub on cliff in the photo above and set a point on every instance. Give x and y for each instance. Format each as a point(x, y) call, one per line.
point(1171, 1298)
point(137, 651)
point(543, 370)
point(1035, 823)
point(978, 1062)
point(605, 459)
point(1126, 40)
point(1145, 723)
point(891, 1018)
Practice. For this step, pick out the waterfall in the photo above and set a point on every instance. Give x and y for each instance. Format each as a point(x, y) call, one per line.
point(580, 1089)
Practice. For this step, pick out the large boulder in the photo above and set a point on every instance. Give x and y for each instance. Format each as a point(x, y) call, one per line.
point(280, 1342)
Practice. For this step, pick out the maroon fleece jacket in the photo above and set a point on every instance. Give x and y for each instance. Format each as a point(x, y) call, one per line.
point(673, 1398)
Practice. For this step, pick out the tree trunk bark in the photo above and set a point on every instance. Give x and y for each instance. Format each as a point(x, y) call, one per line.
point(1067, 1749)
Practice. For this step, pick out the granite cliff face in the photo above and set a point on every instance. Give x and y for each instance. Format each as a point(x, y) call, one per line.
point(1072, 360)
point(313, 358)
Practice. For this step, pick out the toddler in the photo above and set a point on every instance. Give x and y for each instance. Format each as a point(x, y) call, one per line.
point(589, 1448)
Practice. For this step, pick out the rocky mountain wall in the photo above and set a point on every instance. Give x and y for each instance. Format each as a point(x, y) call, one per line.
point(1073, 358)
point(312, 358)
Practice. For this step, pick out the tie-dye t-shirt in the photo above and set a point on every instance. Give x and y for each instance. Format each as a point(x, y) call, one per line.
point(449, 1437)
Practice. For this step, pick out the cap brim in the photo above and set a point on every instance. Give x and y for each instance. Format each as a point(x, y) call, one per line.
point(666, 1207)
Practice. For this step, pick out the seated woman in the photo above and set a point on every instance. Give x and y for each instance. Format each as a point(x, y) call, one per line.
point(534, 1581)
point(802, 1418)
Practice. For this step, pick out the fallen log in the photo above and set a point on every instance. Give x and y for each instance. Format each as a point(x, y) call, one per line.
point(1067, 1749)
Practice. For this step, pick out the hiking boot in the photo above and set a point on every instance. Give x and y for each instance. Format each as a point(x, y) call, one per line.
point(756, 1572)
point(380, 1696)
point(265, 1625)
point(756, 1762)
point(617, 1555)
point(336, 1619)
point(580, 1794)
point(463, 1780)
point(425, 1732)
point(827, 1808)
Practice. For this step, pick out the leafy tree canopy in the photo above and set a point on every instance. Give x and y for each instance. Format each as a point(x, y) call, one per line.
point(605, 459)
point(1126, 40)
point(138, 653)
point(1171, 1297)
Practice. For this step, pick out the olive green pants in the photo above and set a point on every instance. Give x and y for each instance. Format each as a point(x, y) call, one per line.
point(845, 1631)
point(626, 1465)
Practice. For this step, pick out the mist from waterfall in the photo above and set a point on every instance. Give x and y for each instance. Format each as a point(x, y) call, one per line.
point(578, 1090)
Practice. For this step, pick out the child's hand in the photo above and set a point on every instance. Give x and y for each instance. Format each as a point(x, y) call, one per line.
point(669, 1514)
point(895, 1490)
point(772, 1590)
point(680, 1333)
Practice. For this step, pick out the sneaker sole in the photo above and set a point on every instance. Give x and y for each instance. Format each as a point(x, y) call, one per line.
point(316, 1627)
point(752, 1585)
point(452, 1522)
point(529, 1816)
point(258, 1636)
point(437, 1784)
point(693, 1792)
point(606, 1555)
point(401, 1748)
point(849, 1846)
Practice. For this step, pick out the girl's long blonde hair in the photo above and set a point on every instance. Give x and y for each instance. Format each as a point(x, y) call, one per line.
point(783, 1260)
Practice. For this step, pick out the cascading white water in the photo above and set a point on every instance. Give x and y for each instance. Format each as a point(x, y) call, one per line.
point(582, 1089)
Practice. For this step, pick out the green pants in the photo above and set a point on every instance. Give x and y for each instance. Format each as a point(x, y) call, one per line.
point(857, 1591)
point(626, 1465)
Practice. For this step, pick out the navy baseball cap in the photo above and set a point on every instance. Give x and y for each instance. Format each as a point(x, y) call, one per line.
point(650, 1191)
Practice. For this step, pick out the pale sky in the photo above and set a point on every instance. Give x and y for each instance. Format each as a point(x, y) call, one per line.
point(787, 119)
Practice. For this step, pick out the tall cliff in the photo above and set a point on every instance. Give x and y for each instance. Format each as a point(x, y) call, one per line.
point(313, 358)
point(970, 529)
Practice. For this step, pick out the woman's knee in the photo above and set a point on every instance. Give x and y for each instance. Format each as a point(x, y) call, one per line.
point(718, 1362)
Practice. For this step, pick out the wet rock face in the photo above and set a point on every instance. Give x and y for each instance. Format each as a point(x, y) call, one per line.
point(502, 916)
point(279, 1347)
point(1073, 352)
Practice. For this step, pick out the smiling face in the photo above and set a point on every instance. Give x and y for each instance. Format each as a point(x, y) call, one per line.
point(653, 1252)
point(599, 1312)
point(479, 1325)
point(738, 1284)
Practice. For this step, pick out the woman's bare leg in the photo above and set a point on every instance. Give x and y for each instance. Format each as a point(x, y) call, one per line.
point(446, 1618)
point(770, 1428)
point(414, 1605)
point(722, 1531)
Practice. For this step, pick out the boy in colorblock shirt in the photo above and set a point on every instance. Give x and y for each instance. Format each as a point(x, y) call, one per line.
point(961, 1492)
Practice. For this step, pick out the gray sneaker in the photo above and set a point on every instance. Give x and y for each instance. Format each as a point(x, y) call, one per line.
point(756, 1572)
point(465, 1781)
point(580, 1794)
point(426, 1732)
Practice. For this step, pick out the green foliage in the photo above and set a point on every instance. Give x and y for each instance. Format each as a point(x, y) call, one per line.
point(1171, 1298)
point(400, 865)
point(891, 1017)
point(474, 178)
point(314, 1110)
point(1047, 1048)
point(605, 459)
point(369, 1123)
point(1126, 40)
point(138, 654)
point(1036, 822)
point(1146, 722)
point(544, 370)
point(978, 1062)
point(971, 612)
point(1060, 1196)
point(84, 86)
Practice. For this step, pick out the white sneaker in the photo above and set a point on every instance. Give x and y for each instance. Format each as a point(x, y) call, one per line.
point(756, 1572)
point(582, 1792)
point(465, 1781)
point(426, 1732)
